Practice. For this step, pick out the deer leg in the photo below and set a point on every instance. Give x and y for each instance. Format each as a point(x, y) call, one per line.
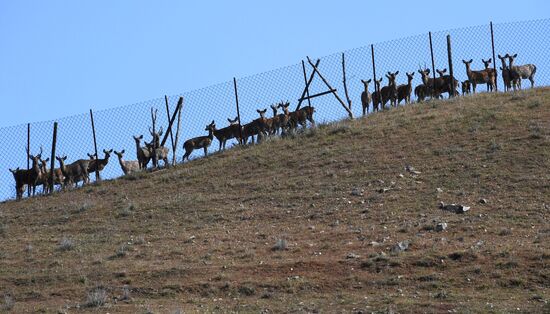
point(532, 81)
point(205, 151)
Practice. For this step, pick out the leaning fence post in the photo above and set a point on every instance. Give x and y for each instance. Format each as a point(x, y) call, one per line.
point(450, 57)
point(376, 89)
point(177, 133)
point(180, 103)
point(433, 63)
point(306, 82)
point(28, 153)
point(494, 60)
point(168, 116)
point(344, 80)
point(52, 164)
point(97, 178)
point(238, 111)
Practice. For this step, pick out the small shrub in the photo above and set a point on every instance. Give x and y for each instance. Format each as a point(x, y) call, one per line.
point(139, 240)
point(96, 298)
point(3, 229)
point(280, 245)
point(122, 251)
point(29, 248)
point(8, 303)
point(65, 244)
point(125, 293)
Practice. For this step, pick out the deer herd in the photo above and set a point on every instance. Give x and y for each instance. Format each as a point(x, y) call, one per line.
point(69, 175)
point(434, 87)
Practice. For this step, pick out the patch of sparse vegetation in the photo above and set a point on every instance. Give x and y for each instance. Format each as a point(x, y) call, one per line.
point(8, 303)
point(65, 244)
point(96, 297)
point(280, 245)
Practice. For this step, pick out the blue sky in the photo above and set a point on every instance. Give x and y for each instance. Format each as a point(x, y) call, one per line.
point(61, 58)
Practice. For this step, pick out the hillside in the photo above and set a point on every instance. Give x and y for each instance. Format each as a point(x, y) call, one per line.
point(204, 236)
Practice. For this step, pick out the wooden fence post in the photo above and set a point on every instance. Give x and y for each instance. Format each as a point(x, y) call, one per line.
point(168, 117)
point(97, 178)
point(494, 60)
point(238, 111)
point(306, 89)
point(344, 79)
point(177, 134)
point(306, 82)
point(28, 153)
point(52, 163)
point(178, 107)
point(451, 73)
point(376, 88)
point(433, 63)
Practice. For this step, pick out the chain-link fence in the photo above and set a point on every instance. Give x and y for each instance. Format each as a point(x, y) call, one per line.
point(116, 127)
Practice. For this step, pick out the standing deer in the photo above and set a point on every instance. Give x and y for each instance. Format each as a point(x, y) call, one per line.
point(74, 172)
point(376, 99)
point(143, 153)
point(19, 177)
point(301, 116)
point(229, 132)
point(366, 96)
point(127, 166)
point(492, 74)
point(505, 73)
point(284, 117)
point(256, 127)
point(404, 91)
point(476, 77)
point(274, 123)
point(389, 92)
point(158, 153)
point(45, 179)
point(466, 87)
point(445, 84)
point(199, 142)
point(98, 164)
point(30, 178)
point(519, 72)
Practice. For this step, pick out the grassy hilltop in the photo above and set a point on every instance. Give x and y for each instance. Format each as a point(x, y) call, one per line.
point(308, 223)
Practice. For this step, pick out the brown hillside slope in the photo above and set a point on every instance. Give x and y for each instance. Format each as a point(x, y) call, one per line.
point(200, 237)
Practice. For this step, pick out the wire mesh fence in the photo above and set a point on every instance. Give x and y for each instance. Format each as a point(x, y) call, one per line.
point(116, 128)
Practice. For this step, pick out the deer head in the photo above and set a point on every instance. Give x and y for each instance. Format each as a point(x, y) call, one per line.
point(410, 76)
point(234, 121)
point(119, 154)
point(511, 59)
point(262, 113)
point(366, 83)
point(211, 127)
point(441, 72)
point(487, 62)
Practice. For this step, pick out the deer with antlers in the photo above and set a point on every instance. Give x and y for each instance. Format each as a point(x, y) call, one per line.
point(74, 172)
point(127, 166)
point(404, 91)
point(389, 92)
point(477, 77)
point(519, 72)
point(366, 96)
point(199, 142)
point(46, 175)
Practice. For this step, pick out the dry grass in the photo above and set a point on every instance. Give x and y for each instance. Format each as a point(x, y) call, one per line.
point(200, 236)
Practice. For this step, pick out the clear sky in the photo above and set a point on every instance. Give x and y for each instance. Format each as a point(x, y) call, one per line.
point(59, 58)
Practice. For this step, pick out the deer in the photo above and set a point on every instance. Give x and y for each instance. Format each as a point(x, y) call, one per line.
point(45, 178)
point(74, 172)
point(229, 132)
point(256, 127)
point(466, 87)
point(199, 142)
point(420, 92)
point(366, 97)
point(492, 74)
point(442, 84)
point(127, 166)
point(404, 91)
point(519, 72)
point(376, 99)
point(284, 117)
point(505, 70)
point(98, 164)
point(274, 123)
point(389, 92)
point(19, 177)
point(476, 77)
point(301, 116)
point(143, 153)
point(30, 177)
point(158, 153)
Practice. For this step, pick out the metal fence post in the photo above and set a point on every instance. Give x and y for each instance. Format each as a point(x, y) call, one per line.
point(433, 63)
point(28, 153)
point(97, 178)
point(451, 72)
point(494, 58)
point(52, 164)
point(238, 111)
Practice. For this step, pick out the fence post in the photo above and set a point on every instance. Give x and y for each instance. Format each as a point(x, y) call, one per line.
point(305, 81)
point(433, 64)
point(52, 164)
point(344, 80)
point(494, 58)
point(177, 134)
point(28, 153)
point(451, 73)
point(376, 89)
point(178, 107)
point(306, 90)
point(97, 178)
point(238, 111)
point(168, 117)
